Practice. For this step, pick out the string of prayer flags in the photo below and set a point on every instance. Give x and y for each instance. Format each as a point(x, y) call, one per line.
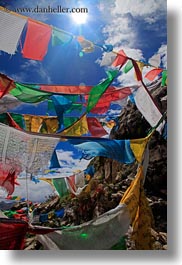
point(6, 84)
point(152, 74)
point(120, 59)
point(11, 28)
point(60, 37)
point(37, 40)
point(97, 91)
point(119, 150)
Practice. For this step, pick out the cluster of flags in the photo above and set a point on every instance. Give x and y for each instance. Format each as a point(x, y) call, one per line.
point(28, 142)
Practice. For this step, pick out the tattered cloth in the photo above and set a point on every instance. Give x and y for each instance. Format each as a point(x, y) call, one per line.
point(12, 234)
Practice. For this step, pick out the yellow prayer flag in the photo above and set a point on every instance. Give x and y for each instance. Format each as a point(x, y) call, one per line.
point(138, 147)
point(132, 195)
point(78, 128)
point(33, 123)
point(142, 224)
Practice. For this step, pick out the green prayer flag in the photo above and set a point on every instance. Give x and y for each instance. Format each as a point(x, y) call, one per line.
point(128, 66)
point(60, 186)
point(97, 91)
point(60, 37)
point(18, 118)
point(164, 78)
point(68, 121)
point(29, 94)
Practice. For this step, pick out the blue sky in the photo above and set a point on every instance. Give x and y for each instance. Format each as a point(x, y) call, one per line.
point(138, 27)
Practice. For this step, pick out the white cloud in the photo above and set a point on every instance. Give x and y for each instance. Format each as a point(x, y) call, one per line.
point(36, 192)
point(69, 165)
point(141, 8)
point(35, 68)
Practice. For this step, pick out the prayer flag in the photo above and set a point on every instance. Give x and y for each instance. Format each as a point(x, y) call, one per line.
point(120, 59)
point(60, 37)
point(37, 40)
point(6, 85)
point(128, 66)
point(29, 94)
point(78, 128)
point(164, 78)
point(151, 75)
point(97, 91)
point(11, 27)
point(146, 106)
point(115, 149)
point(95, 128)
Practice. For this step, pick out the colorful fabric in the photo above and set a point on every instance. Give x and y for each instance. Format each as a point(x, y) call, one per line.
point(8, 102)
point(60, 37)
point(115, 149)
point(29, 94)
point(11, 27)
point(22, 151)
point(12, 234)
point(6, 85)
point(86, 45)
point(151, 75)
point(164, 78)
point(112, 94)
point(140, 213)
point(128, 66)
point(8, 180)
point(60, 186)
point(8, 120)
point(138, 147)
point(99, 89)
point(137, 70)
point(36, 40)
point(78, 128)
point(95, 128)
point(81, 89)
point(120, 59)
point(146, 106)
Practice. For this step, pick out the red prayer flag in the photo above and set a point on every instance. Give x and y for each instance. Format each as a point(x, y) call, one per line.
point(120, 59)
point(6, 84)
point(36, 41)
point(95, 128)
point(151, 75)
point(8, 182)
point(12, 234)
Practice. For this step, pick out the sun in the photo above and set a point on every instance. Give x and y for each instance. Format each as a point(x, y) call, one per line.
point(80, 18)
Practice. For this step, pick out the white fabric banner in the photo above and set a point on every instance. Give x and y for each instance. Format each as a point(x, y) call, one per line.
point(24, 151)
point(11, 27)
point(147, 107)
